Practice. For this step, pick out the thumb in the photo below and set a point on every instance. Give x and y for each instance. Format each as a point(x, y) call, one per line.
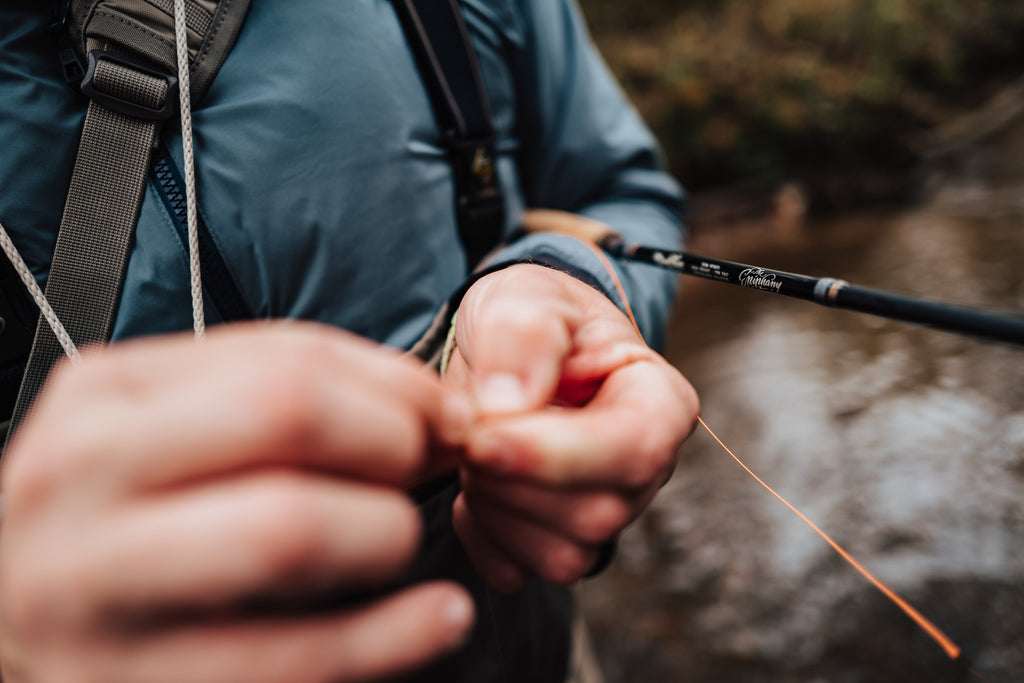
point(514, 340)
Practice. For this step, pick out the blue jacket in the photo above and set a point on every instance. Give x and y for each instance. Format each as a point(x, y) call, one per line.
point(324, 186)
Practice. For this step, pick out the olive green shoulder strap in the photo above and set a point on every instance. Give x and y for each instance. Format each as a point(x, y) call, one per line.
point(121, 54)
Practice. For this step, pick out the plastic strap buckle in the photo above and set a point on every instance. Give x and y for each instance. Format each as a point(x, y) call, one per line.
point(474, 159)
point(124, 106)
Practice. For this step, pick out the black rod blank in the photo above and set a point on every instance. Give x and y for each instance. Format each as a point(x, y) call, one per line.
point(835, 293)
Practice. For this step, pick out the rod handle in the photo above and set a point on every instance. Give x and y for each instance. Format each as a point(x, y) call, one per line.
point(565, 223)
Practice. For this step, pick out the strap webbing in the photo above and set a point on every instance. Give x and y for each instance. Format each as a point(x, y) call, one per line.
point(98, 227)
point(437, 34)
point(125, 49)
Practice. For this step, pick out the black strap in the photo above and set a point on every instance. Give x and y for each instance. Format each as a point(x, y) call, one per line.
point(437, 34)
point(17, 316)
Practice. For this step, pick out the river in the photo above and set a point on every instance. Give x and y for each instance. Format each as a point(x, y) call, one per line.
point(905, 444)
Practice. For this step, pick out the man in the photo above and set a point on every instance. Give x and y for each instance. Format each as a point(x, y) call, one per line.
point(237, 509)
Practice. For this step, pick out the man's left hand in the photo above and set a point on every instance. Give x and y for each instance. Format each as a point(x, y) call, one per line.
point(578, 424)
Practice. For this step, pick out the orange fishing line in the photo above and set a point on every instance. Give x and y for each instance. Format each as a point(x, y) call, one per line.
point(951, 649)
point(618, 284)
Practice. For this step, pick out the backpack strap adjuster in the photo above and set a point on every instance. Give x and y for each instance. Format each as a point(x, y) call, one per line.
point(479, 201)
point(441, 45)
point(130, 86)
point(475, 160)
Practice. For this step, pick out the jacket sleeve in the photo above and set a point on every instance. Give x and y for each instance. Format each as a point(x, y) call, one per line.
point(584, 149)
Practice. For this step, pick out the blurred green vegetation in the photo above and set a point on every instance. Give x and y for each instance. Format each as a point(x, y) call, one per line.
point(765, 90)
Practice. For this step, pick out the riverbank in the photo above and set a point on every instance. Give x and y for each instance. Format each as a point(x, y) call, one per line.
point(843, 97)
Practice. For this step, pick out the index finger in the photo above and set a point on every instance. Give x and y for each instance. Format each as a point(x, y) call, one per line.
point(626, 437)
point(168, 410)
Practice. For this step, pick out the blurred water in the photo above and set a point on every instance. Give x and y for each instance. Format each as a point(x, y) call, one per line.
point(905, 444)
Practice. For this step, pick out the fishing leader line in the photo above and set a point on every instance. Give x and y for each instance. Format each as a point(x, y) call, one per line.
point(952, 650)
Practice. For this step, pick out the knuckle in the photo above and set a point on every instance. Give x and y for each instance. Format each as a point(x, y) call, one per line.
point(21, 597)
point(644, 466)
point(598, 520)
point(101, 372)
point(396, 516)
point(43, 462)
point(404, 538)
point(528, 323)
point(288, 533)
point(98, 369)
point(564, 564)
point(40, 457)
point(32, 478)
point(314, 349)
point(33, 592)
point(504, 576)
point(285, 398)
point(410, 440)
point(403, 525)
point(653, 455)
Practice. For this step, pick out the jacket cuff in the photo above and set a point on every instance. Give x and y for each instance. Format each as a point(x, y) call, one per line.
point(558, 252)
point(563, 253)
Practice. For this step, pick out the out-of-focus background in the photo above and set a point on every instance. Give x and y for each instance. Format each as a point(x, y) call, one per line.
point(880, 141)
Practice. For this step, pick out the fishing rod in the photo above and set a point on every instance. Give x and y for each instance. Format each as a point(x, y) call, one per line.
point(826, 291)
point(830, 292)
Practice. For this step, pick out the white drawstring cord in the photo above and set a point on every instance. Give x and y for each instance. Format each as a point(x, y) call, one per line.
point(37, 295)
point(184, 97)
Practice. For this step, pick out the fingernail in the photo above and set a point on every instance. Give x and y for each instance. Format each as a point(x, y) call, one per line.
point(458, 616)
point(502, 393)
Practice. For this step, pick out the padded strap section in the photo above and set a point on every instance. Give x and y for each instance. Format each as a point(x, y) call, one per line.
point(145, 28)
point(437, 34)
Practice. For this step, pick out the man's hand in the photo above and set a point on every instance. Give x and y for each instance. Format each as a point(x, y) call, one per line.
point(162, 488)
point(579, 424)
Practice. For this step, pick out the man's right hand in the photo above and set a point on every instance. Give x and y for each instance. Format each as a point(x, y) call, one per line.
point(158, 485)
